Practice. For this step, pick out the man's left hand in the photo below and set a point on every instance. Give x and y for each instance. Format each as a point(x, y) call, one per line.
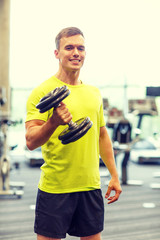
point(114, 185)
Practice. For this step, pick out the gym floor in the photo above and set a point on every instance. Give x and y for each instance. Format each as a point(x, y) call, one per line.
point(136, 216)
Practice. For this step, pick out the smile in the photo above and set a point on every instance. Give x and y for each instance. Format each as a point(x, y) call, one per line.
point(75, 60)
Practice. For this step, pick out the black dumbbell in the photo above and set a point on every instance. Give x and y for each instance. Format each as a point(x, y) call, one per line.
point(75, 130)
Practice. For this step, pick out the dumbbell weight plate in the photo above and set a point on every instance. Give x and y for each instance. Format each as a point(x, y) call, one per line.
point(51, 96)
point(55, 103)
point(69, 131)
point(53, 99)
point(79, 134)
point(73, 134)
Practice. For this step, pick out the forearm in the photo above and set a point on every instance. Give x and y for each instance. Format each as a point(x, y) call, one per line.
point(106, 153)
point(38, 134)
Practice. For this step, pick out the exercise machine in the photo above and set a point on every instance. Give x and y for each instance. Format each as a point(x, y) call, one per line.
point(7, 188)
point(122, 141)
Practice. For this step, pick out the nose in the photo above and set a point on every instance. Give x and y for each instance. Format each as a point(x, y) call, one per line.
point(75, 52)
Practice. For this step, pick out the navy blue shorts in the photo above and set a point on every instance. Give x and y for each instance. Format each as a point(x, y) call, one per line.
point(79, 214)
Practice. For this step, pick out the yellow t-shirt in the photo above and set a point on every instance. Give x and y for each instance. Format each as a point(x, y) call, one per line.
point(72, 167)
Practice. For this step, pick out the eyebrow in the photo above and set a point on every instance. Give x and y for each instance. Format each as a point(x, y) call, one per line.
point(72, 45)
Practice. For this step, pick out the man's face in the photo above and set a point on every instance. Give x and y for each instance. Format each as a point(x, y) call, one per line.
point(71, 53)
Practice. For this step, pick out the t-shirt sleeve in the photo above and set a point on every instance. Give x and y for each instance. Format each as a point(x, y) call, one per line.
point(32, 112)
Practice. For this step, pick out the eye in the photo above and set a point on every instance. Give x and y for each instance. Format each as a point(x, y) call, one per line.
point(69, 47)
point(81, 48)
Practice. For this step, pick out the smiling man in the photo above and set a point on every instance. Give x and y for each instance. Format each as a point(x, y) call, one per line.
point(71, 54)
point(69, 198)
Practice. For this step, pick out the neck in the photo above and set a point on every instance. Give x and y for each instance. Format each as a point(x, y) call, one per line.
point(71, 77)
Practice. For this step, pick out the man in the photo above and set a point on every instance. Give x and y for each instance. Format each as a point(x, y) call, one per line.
point(69, 198)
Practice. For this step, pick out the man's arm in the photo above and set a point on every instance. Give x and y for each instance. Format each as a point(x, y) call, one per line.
point(38, 132)
point(107, 155)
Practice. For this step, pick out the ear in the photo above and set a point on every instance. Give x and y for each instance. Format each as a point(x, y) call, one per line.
point(56, 53)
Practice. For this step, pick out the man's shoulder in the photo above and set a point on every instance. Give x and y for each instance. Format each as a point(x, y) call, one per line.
point(42, 89)
point(49, 83)
point(92, 88)
point(46, 86)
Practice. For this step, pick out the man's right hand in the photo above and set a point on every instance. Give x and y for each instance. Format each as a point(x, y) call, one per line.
point(61, 115)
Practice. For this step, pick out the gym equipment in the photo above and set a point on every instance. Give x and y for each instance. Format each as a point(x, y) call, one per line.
point(7, 188)
point(114, 115)
point(2, 96)
point(122, 131)
point(122, 143)
point(153, 91)
point(142, 107)
point(75, 130)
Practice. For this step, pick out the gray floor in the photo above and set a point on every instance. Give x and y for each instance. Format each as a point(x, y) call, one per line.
point(136, 216)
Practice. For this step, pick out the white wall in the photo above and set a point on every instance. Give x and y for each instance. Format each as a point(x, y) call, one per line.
point(122, 39)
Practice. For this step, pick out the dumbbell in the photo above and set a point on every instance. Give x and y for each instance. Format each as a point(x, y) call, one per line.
point(75, 130)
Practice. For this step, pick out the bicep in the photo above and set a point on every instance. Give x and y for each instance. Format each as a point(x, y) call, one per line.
point(33, 123)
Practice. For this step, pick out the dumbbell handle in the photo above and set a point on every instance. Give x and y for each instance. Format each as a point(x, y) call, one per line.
point(72, 124)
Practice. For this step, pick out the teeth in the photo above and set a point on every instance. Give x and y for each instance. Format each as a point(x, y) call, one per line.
point(75, 60)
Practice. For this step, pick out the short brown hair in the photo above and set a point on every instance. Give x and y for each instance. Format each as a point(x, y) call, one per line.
point(67, 32)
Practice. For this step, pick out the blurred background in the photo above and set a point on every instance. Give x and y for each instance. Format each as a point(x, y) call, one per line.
point(122, 43)
point(123, 55)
